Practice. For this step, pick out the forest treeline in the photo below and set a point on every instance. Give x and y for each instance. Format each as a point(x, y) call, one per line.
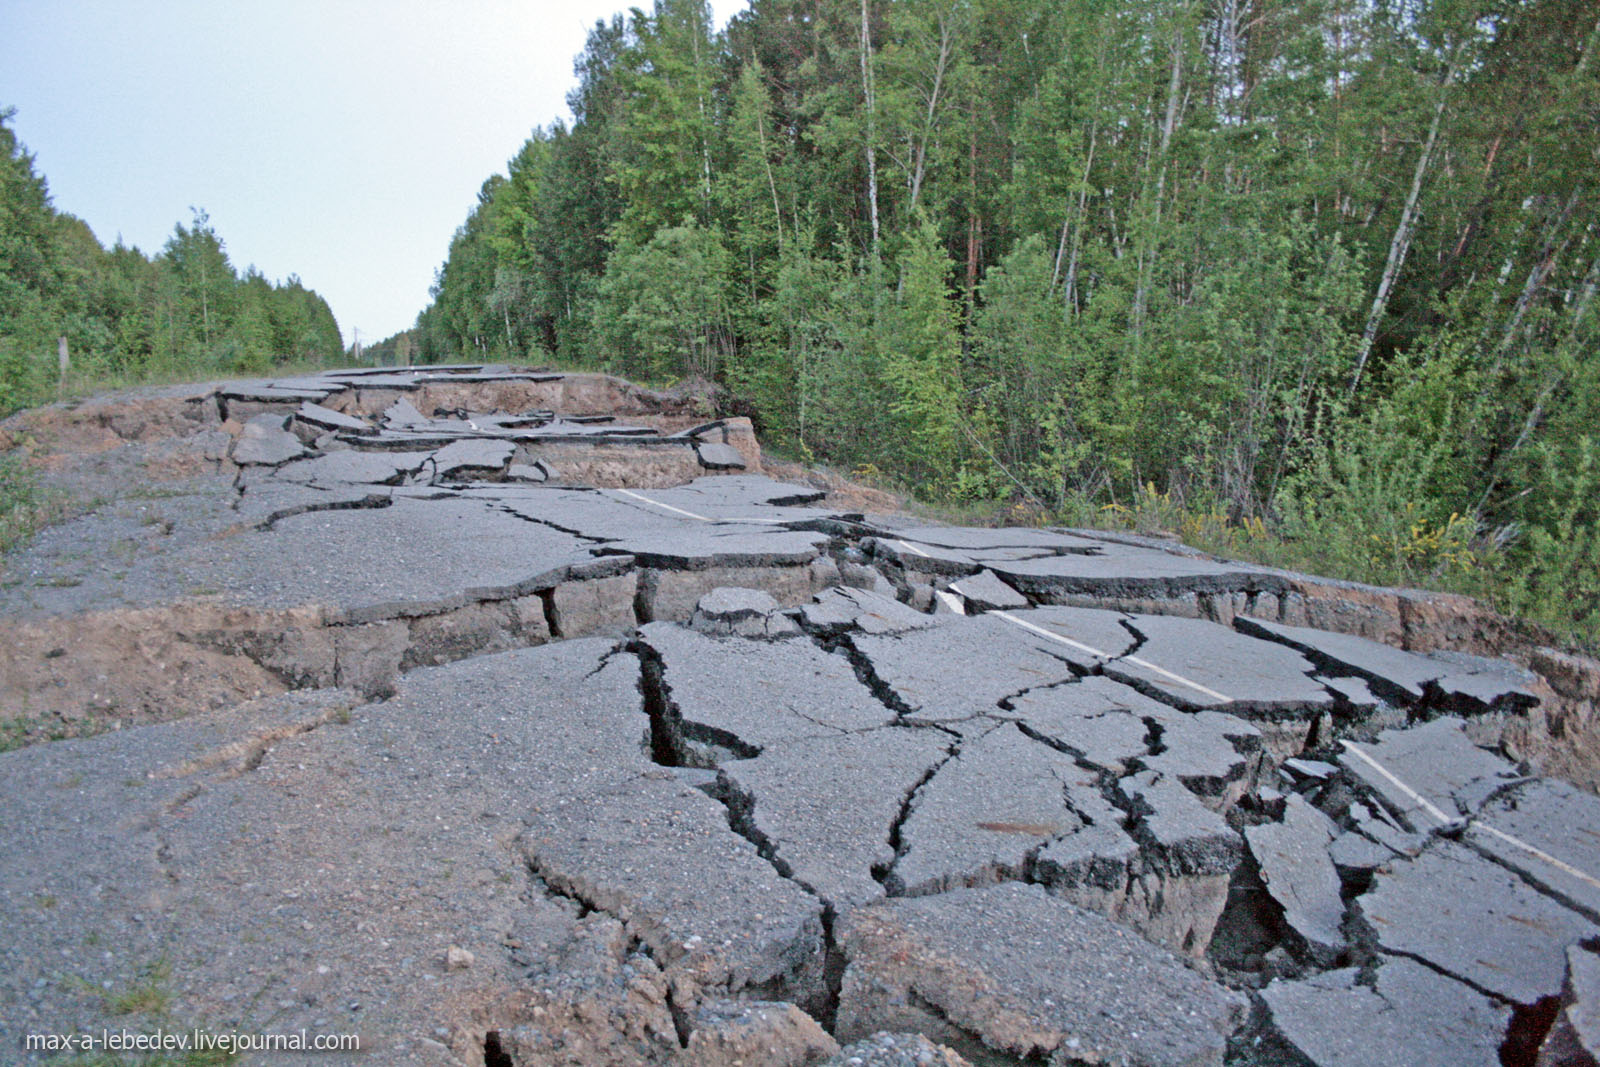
point(185, 312)
point(1312, 280)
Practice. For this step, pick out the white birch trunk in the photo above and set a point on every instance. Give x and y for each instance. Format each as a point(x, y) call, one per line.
point(870, 94)
point(1401, 243)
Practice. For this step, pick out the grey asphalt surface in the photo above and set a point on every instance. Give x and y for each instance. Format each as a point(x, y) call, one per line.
point(819, 771)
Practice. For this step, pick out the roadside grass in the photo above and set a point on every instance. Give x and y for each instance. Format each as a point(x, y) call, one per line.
point(23, 730)
point(24, 506)
point(149, 996)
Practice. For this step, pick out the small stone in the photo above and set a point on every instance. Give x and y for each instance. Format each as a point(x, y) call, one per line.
point(457, 958)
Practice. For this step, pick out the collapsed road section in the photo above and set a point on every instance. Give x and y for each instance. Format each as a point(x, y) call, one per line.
point(544, 728)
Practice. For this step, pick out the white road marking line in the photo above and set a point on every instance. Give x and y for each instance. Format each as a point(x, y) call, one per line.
point(1421, 801)
point(1476, 824)
point(951, 601)
point(1080, 646)
point(1180, 679)
point(1042, 632)
point(665, 507)
point(909, 547)
point(699, 518)
point(1560, 865)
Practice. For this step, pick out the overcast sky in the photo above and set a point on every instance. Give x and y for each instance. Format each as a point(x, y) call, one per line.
point(340, 140)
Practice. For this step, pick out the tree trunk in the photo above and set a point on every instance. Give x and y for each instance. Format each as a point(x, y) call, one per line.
point(1168, 124)
point(1591, 283)
point(945, 47)
point(1549, 256)
point(1069, 292)
point(870, 94)
point(766, 162)
point(974, 226)
point(1401, 244)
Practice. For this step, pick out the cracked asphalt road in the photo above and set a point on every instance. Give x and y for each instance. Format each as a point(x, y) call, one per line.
point(420, 736)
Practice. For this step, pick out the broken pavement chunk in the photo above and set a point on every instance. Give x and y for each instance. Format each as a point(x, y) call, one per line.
point(966, 828)
point(1426, 771)
point(716, 456)
point(535, 472)
point(1553, 844)
point(1354, 691)
point(825, 805)
point(731, 610)
point(1091, 866)
point(1027, 974)
point(1199, 664)
point(1216, 756)
point(1574, 1040)
point(1466, 684)
point(1100, 721)
point(985, 592)
point(1300, 876)
point(328, 420)
point(1411, 1016)
point(1357, 852)
point(265, 441)
point(1187, 857)
point(403, 415)
point(659, 856)
point(351, 467)
point(756, 693)
point(842, 608)
point(1191, 837)
point(1109, 569)
point(470, 459)
point(966, 666)
point(1470, 918)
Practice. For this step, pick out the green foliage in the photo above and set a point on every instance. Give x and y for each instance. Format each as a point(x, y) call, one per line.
point(1117, 262)
point(21, 504)
point(663, 307)
point(149, 994)
point(1553, 576)
point(922, 365)
point(1379, 496)
point(125, 317)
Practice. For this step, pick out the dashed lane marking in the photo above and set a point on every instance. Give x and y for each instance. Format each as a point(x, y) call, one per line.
point(1421, 801)
point(1180, 679)
point(664, 507)
point(692, 515)
point(1081, 647)
point(1477, 824)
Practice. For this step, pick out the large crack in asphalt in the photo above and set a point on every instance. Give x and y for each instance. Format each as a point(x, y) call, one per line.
point(676, 740)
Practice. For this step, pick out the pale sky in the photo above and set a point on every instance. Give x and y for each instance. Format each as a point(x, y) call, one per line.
point(339, 140)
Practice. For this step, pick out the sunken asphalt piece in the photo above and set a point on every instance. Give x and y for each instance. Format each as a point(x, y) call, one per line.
point(498, 717)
